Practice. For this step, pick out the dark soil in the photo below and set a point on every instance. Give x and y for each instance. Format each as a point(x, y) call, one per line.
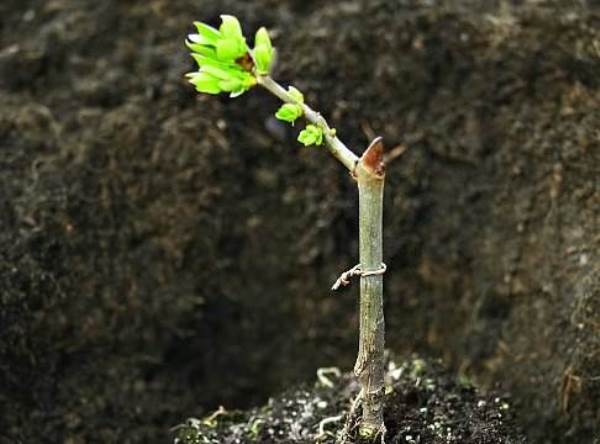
point(163, 253)
point(423, 404)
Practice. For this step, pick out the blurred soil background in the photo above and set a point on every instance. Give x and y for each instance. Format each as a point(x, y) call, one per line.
point(163, 253)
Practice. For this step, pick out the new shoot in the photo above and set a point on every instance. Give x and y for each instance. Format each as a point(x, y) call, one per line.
point(226, 64)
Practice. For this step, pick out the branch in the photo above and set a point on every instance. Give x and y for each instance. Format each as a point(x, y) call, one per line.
point(336, 147)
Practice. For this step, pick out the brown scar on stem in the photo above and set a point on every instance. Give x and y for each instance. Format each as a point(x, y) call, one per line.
point(372, 159)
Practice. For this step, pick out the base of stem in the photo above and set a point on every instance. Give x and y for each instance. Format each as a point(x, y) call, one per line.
point(370, 433)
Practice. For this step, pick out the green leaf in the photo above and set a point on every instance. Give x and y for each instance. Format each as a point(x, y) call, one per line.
point(263, 57)
point(223, 73)
point(311, 135)
point(262, 38)
point(249, 80)
point(227, 49)
point(289, 112)
point(239, 92)
point(306, 138)
point(236, 89)
point(231, 85)
point(231, 49)
point(201, 49)
point(200, 40)
point(204, 82)
point(295, 94)
point(263, 51)
point(319, 137)
point(230, 27)
point(208, 32)
point(203, 61)
point(230, 44)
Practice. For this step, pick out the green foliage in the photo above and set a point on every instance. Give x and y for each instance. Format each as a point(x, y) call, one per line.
point(218, 54)
point(311, 135)
point(214, 80)
point(289, 112)
point(263, 52)
point(232, 44)
point(226, 64)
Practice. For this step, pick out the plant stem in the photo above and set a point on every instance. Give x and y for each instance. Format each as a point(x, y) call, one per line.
point(340, 151)
point(369, 367)
point(369, 174)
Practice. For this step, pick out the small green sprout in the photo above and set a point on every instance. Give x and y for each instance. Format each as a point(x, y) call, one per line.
point(295, 94)
point(289, 112)
point(263, 52)
point(225, 62)
point(311, 135)
point(232, 44)
point(222, 57)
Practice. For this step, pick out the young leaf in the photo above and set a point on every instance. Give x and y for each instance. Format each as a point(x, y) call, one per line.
point(231, 85)
point(247, 82)
point(289, 112)
point(230, 44)
point(262, 38)
point(230, 27)
point(202, 49)
point(198, 39)
point(228, 49)
point(311, 135)
point(306, 137)
point(219, 73)
point(263, 56)
point(295, 94)
point(204, 82)
point(318, 135)
point(263, 51)
point(208, 32)
point(239, 92)
point(203, 61)
point(224, 72)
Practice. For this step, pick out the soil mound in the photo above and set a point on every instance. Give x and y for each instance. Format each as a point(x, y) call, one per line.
point(423, 404)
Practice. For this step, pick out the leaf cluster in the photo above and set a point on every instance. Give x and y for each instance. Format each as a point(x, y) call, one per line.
point(225, 63)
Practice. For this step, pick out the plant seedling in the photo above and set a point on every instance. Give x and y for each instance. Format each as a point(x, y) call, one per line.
point(226, 64)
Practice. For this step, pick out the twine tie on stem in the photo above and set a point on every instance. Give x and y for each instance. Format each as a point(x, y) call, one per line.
point(345, 277)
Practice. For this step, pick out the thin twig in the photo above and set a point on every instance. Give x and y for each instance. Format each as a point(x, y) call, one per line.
point(339, 150)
